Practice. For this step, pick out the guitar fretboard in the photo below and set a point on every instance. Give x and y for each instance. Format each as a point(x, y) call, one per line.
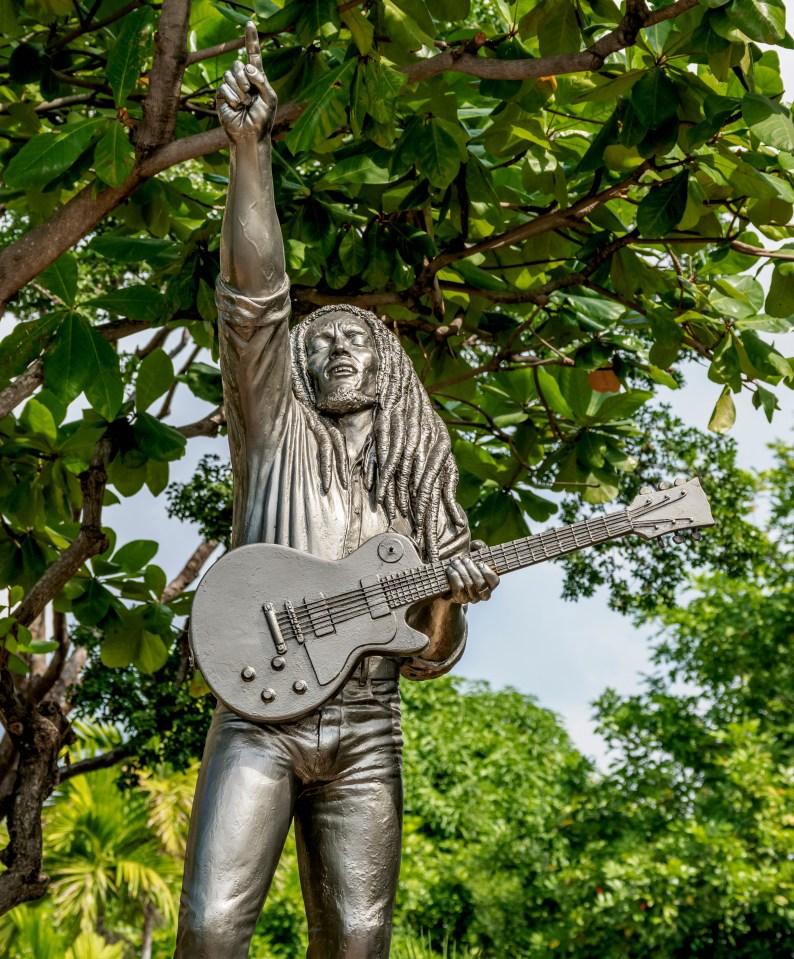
point(424, 582)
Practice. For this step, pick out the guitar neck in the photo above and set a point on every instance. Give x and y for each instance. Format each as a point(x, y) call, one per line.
point(425, 582)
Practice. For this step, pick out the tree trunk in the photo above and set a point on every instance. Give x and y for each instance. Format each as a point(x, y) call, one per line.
point(148, 930)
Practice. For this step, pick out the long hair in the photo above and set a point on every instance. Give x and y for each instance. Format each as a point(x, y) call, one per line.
point(410, 462)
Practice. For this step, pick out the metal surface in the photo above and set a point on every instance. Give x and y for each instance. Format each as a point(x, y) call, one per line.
point(333, 440)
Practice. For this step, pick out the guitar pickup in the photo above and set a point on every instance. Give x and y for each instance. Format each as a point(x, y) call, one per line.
point(319, 615)
point(375, 596)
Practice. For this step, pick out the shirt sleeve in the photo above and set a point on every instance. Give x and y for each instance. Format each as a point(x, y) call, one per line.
point(255, 362)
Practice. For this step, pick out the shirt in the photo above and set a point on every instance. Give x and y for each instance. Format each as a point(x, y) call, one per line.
point(278, 494)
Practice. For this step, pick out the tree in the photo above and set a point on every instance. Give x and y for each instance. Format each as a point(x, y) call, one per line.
point(556, 207)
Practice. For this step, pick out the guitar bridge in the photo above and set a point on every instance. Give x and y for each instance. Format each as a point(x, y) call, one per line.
point(275, 629)
point(294, 622)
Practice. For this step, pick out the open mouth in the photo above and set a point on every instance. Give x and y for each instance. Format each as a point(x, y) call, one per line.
point(342, 369)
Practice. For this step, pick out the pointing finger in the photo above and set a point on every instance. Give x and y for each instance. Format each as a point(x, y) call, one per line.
point(252, 47)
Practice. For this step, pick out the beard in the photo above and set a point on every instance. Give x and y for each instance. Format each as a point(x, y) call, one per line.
point(344, 399)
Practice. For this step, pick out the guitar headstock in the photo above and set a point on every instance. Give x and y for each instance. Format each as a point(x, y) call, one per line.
point(671, 509)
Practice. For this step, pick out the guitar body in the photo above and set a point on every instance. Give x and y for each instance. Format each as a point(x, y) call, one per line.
point(243, 624)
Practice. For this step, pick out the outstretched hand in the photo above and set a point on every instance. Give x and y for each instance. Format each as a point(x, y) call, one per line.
point(246, 101)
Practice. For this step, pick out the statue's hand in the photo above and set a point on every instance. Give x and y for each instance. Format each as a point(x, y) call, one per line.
point(470, 580)
point(246, 101)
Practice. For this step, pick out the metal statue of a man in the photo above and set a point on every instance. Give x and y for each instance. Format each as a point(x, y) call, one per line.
point(333, 440)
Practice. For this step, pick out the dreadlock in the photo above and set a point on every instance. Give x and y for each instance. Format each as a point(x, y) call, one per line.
point(410, 464)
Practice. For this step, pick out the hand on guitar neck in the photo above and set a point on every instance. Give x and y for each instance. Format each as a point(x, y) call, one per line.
point(470, 580)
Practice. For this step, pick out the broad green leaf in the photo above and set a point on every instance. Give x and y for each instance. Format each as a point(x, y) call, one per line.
point(760, 20)
point(352, 252)
point(780, 299)
point(437, 153)
point(38, 419)
point(152, 653)
point(93, 605)
point(114, 156)
point(654, 98)
point(663, 206)
point(157, 440)
point(204, 381)
point(104, 389)
point(135, 302)
point(402, 27)
point(129, 53)
point(155, 376)
point(552, 395)
point(60, 278)
point(764, 357)
point(362, 168)
point(724, 415)
point(68, 363)
point(316, 19)
point(324, 111)
point(50, 154)
point(770, 122)
point(476, 277)
point(362, 30)
point(135, 555)
point(133, 249)
point(558, 29)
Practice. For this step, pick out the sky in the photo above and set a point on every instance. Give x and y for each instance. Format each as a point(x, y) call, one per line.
point(564, 654)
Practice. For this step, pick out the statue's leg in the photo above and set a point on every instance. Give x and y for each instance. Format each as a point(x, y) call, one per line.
point(349, 827)
point(241, 817)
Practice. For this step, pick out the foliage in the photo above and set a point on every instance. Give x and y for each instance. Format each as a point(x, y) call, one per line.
point(557, 206)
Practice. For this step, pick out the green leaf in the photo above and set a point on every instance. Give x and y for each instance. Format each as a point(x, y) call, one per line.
point(316, 19)
point(474, 276)
point(114, 156)
point(362, 168)
point(60, 278)
point(133, 249)
point(324, 111)
point(654, 98)
point(67, 363)
point(760, 20)
point(152, 653)
point(361, 29)
point(552, 394)
point(135, 302)
point(780, 299)
point(38, 419)
point(155, 376)
point(93, 605)
point(104, 389)
point(724, 415)
point(129, 53)
point(50, 154)
point(352, 252)
point(204, 381)
point(133, 556)
point(156, 440)
point(663, 206)
point(558, 29)
point(437, 153)
point(770, 122)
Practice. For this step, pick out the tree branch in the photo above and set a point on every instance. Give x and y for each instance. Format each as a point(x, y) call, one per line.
point(189, 571)
point(93, 763)
point(211, 425)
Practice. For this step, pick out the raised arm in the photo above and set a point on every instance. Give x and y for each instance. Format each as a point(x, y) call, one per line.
point(252, 252)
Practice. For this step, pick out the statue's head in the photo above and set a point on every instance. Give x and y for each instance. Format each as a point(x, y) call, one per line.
point(344, 360)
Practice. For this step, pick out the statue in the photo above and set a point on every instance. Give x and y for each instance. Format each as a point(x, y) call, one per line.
point(333, 440)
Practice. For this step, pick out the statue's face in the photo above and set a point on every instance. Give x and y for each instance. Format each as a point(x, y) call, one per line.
point(342, 363)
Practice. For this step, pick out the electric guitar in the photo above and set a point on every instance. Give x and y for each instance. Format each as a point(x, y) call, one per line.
point(276, 632)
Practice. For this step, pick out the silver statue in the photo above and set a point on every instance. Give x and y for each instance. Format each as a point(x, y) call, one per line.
point(333, 440)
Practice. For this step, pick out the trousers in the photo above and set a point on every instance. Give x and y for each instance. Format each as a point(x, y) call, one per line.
point(338, 772)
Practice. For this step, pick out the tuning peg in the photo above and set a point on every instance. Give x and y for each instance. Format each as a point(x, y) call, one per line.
point(644, 490)
point(664, 486)
point(678, 538)
point(679, 481)
point(696, 534)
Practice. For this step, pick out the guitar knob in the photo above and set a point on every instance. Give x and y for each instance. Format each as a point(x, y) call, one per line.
point(664, 486)
point(248, 674)
point(696, 534)
point(300, 686)
point(678, 538)
point(278, 662)
point(644, 490)
point(679, 481)
point(268, 695)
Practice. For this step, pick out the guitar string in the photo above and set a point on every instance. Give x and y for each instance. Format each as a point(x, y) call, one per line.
point(408, 586)
point(404, 588)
